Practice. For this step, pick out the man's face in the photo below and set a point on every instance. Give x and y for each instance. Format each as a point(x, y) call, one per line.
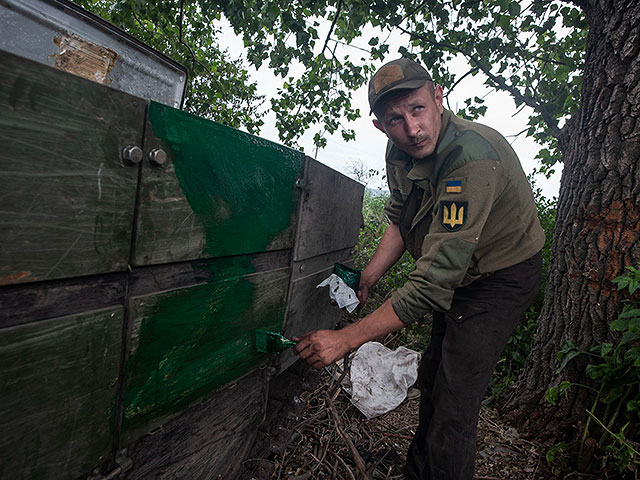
point(412, 118)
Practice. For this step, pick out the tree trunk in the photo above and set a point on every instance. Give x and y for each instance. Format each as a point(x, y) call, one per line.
point(598, 220)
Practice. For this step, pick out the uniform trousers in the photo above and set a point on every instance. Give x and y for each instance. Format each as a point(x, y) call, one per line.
point(466, 343)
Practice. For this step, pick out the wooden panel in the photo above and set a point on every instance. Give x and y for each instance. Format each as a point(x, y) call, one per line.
point(308, 307)
point(331, 213)
point(207, 441)
point(187, 342)
point(67, 199)
point(222, 192)
point(59, 385)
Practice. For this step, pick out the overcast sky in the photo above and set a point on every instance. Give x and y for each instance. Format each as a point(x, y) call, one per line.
point(369, 145)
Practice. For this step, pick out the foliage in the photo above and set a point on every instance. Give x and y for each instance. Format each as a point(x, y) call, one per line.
point(375, 224)
point(614, 369)
point(533, 50)
point(219, 88)
point(325, 49)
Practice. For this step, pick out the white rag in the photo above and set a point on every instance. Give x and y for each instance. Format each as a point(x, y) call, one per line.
point(380, 377)
point(339, 291)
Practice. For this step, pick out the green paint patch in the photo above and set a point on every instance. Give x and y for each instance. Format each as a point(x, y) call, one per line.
point(187, 343)
point(240, 187)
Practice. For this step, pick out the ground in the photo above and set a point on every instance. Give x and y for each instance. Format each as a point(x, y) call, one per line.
point(317, 449)
point(312, 431)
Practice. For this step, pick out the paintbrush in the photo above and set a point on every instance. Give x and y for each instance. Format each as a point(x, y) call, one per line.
point(272, 342)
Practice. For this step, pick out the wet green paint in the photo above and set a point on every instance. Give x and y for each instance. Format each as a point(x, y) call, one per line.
point(240, 187)
point(186, 343)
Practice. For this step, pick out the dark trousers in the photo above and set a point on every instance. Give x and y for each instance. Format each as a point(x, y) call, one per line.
point(466, 343)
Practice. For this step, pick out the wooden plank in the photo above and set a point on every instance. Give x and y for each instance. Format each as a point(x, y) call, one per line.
point(59, 385)
point(185, 343)
point(31, 302)
point(331, 212)
point(221, 192)
point(68, 199)
point(157, 278)
point(207, 441)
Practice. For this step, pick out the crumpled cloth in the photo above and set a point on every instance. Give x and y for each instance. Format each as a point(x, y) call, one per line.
point(339, 291)
point(380, 377)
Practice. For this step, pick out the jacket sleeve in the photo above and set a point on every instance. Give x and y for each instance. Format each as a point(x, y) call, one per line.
point(463, 201)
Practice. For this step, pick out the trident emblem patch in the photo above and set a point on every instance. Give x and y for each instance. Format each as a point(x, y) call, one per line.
point(453, 215)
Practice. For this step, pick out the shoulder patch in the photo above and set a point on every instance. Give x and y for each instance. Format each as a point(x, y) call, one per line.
point(453, 186)
point(453, 215)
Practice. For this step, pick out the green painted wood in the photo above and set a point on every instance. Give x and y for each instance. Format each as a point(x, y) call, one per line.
point(59, 382)
point(223, 192)
point(186, 343)
point(67, 198)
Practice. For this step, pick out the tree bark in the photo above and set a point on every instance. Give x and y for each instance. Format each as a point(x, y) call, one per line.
point(598, 219)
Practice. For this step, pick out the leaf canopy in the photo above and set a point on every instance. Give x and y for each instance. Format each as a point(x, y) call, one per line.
point(325, 49)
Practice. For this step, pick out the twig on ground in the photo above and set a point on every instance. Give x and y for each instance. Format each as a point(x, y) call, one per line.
point(356, 456)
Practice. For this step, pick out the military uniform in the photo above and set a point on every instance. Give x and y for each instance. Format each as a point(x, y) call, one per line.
point(466, 214)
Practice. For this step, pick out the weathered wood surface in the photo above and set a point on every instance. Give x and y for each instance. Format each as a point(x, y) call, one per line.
point(208, 441)
point(221, 192)
point(309, 307)
point(211, 252)
point(26, 303)
point(67, 198)
point(59, 382)
point(187, 342)
point(331, 213)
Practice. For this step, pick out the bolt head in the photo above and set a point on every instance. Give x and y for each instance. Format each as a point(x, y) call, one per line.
point(132, 154)
point(158, 157)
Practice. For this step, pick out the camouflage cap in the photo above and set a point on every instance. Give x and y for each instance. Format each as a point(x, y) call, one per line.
point(396, 75)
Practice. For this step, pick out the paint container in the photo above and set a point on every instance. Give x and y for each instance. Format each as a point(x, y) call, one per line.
point(349, 275)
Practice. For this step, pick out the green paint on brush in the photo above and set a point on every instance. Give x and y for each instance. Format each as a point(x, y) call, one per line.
point(240, 187)
point(272, 342)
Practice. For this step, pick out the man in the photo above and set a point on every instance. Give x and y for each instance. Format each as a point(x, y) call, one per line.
point(461, 204)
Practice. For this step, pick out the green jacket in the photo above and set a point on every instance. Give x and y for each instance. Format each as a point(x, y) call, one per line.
point(464, 211)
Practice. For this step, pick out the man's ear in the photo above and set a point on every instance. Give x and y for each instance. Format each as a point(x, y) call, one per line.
point(438, 96)
point(378, 125)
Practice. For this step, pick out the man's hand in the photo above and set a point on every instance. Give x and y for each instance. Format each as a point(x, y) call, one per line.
point(322, 347)
point(363, 294)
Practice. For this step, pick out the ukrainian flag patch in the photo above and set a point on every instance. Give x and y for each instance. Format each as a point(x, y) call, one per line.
point(453, 186)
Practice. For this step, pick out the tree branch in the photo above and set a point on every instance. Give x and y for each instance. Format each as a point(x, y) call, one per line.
point(333, 24)
point(546, 116)
point(457, 82)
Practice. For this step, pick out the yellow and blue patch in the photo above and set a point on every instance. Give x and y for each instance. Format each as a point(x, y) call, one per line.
point(453, 215)
point(453, 186)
